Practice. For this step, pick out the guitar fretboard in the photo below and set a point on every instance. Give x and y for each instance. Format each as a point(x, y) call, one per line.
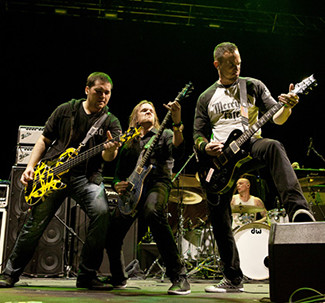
point(256, 126)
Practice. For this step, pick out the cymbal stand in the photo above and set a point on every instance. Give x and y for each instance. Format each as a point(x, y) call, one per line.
point(180, 208)
point(212, 257)
point(155, 262)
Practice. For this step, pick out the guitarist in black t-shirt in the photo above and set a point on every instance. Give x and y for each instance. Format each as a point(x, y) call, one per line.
point(67, 127)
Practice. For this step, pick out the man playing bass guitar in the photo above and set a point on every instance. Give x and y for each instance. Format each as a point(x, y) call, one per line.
point(219, 111)
point(66, 128)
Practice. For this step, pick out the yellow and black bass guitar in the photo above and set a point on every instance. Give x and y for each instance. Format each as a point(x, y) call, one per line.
point(47, 175)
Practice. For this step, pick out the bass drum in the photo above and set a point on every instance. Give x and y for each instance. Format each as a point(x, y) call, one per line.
point(252, 243)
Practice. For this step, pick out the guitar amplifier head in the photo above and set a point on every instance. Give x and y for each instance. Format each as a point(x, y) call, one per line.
point(29, 134)
point(4, 195)
point(23, 154)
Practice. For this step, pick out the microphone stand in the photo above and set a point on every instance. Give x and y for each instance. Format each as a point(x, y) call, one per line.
point(317, 153)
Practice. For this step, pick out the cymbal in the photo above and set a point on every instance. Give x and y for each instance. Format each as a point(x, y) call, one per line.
point(311, 181)
point(186, 181)
point(250, 209)
point(187, 197)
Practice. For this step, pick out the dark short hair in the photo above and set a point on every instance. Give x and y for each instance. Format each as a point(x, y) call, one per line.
point(223, 47)
point(98, 76)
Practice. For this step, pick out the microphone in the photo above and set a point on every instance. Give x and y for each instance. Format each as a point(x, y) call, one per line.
point(310, 146)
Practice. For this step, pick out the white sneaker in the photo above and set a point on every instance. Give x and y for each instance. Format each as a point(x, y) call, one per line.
point(303, 215)
point(225, 285)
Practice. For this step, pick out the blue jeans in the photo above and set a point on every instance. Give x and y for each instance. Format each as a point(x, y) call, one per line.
point(92, 199)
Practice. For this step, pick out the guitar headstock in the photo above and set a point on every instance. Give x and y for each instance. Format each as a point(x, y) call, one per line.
point(130, 134)
point(187, 89)
point(305, 86)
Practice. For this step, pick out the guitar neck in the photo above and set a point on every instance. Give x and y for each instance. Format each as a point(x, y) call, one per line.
point(256, 126)
point(181, 95)
point(148, 153)
point(87, 154)
point(300, 88)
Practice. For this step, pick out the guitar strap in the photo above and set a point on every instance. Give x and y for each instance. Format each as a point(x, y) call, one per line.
point(243, 103)
point(94, 128)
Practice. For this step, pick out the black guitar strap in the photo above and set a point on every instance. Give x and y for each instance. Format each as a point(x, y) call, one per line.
point(243, 103)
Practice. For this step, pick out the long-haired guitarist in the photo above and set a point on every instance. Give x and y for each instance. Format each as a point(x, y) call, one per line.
point(151, 209)
point(66, 128)
point(220, 110)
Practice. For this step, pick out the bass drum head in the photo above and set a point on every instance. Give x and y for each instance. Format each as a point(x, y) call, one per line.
point(252, 243)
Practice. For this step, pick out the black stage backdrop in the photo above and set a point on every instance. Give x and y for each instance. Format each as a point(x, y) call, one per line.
point(46, 59)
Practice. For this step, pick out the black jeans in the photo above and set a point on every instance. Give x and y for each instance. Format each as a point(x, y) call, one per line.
point(152, 209)
point(265, 152)
point(92, 200)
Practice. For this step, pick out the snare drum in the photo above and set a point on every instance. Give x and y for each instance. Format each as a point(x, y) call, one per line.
point(252, 243)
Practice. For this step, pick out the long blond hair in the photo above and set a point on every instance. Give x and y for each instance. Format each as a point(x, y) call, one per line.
point(133, 119)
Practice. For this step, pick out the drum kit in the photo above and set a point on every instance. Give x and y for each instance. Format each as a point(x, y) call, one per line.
point(188, 218)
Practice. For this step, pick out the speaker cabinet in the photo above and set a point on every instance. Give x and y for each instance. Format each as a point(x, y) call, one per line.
point(296, 260)
point(48, 259)
point(79, 223)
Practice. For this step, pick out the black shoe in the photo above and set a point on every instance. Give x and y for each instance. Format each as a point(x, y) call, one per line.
point(7, 281)
point(93, 284)
point(116, 284)
point(180, 287)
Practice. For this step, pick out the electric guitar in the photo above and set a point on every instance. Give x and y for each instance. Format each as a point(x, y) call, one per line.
point(47, 175)
point(128, 201)
point(218, 174)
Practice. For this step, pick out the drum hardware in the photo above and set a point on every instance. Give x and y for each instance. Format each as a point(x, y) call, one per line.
point(207, 250)
point(277, 215)
point(162, 269)
point(190, 239)
point(178, 197)
point(311, 181)
point(147, 238)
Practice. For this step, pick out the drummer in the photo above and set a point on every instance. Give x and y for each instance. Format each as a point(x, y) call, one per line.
point(245, 207)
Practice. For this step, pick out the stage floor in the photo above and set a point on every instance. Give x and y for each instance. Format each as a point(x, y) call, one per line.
point(63, 290)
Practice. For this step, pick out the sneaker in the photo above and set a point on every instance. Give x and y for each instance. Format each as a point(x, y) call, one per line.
point(93, 284)
point(116, 284)
point(180, 287)
point(7, 281)
point(225, 285)
point(303, 215)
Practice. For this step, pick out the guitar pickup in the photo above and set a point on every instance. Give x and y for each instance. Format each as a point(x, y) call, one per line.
point(234, 147)
point(139, 170)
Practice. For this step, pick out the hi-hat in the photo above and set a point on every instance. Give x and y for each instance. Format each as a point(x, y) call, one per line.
point(241, 208)
point(184, 196)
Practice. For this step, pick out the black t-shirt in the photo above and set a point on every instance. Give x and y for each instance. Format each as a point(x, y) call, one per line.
point(162, 157)
point(68, 126)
